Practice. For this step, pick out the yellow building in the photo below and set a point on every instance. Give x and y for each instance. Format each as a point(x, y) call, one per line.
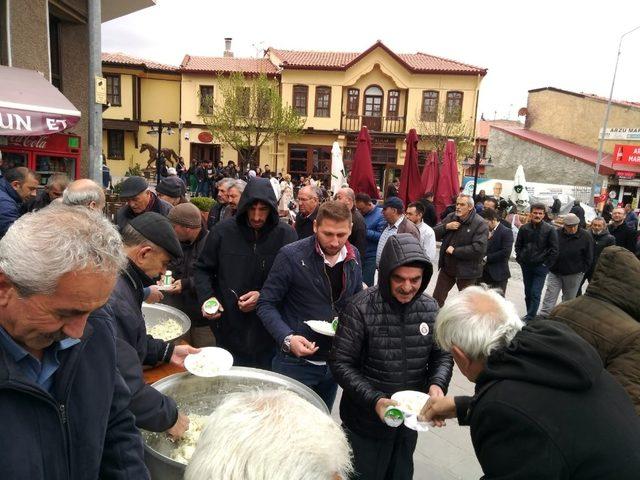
point(140, 94)
point(335, 92)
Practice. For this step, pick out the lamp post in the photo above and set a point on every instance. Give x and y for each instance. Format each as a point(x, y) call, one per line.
point(159, 130)
point(606, 118)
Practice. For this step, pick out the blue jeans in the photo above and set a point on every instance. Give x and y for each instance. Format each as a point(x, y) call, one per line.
point(203, 188)
point(369, 270)
point(533, 277)
point(317, 377)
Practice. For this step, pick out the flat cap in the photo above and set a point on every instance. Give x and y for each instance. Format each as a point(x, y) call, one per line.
point(132, 186)
point(185, 214)
point(571, 219)
point(158, 229)
point(171, 187)
point(393, 202)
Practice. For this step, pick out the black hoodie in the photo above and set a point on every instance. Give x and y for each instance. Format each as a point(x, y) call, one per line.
point(237, 258)
point(382, 346)
point(545, 408)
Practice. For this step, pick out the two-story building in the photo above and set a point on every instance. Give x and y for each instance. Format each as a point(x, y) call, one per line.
point(140, 94)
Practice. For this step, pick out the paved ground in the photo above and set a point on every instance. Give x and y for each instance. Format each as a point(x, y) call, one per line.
point(447, 453)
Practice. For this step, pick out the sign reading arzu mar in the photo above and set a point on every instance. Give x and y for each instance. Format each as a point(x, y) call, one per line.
point(621, 133)
point(626, 154)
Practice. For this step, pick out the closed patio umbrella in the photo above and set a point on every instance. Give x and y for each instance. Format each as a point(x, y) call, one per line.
point(361, 179)
point(448, 181)
point(337, 168)
point(410, 181)
point(430, 173)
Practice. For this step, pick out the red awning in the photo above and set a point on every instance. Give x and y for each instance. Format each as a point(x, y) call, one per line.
point(30, 105)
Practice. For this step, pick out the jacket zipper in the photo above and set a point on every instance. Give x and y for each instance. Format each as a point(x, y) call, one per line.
point(404, 351)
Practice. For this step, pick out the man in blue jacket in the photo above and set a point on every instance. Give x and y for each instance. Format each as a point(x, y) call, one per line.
point(63, 404)
point(17, 186)
point(311, 279)
point(375, 226)
point(495, 272)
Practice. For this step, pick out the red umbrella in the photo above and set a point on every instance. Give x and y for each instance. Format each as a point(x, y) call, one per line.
point(448, 182)
point(410, 182)
point(430, 173)
point(361, 179)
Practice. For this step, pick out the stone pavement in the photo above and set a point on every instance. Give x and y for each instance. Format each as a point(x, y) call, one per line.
point(447, 453)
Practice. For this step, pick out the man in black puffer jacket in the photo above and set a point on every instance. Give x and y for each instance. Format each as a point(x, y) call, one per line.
point(383, 345)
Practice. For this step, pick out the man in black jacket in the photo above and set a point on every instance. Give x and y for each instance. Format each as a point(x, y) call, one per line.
point(536, 250)
point(135, 191)
point(150, 244)
point(63, 404)
point(54, 188)
point(217, 211)
point(464, 237)
point(575, 255)
point(358, 237)
point(624, 235)
point(187, 223)
point(430, 216)
point(578, 211)
point(384, 344)
point(308, 203)
point(601, 240)
point(544, 406)
point(496, 264)
point(233, 267)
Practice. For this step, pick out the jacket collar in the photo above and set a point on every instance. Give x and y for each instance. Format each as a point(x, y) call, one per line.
point(351, 252)
point(9, 190)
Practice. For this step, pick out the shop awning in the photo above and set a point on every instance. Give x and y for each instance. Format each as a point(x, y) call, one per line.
point(30, 105)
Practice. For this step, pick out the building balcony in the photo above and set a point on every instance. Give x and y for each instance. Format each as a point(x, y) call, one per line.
point(353, 123)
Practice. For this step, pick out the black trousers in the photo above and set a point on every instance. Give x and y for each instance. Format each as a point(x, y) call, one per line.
point(387, 459)
point(491, 283)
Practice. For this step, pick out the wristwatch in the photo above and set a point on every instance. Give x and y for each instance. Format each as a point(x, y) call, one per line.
point(286, 344)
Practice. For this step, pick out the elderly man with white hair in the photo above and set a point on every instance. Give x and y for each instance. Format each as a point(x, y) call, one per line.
point(84, 193)
point(256, 435)
point(544, 406)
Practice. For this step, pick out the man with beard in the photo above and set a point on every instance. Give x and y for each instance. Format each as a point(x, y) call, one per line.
point(217, 211)
point(234, 192)
point(308, 201)
point(135, 191)
point(56, 184)
point(601, 240)
point(233, 267)
point(384, 344)
point(311, 279)
point(17, 186)
point(625, 236)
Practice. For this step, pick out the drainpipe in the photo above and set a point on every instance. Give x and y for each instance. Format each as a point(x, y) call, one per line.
point(94, 111)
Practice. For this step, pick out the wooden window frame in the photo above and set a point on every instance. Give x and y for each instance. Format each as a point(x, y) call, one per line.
point(429, 116)
point(205, 108)
point(111, 154)
point(449, 115)
point(353, 100)
point(56, 51)
point(111, 91)
point(298, 90)
point(396, 113)
point(318, 107)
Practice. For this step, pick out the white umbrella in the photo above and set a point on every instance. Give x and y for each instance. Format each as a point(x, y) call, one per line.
point(338, 177)
point(519, 195)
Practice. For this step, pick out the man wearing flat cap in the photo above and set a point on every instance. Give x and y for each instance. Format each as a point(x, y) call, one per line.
point(172, 190)
point(575, 255)
point(135, 191)
point(187, 223)
point(150, 243)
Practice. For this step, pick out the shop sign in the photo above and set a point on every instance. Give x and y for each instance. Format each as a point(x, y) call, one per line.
point(205, 137)
point(621, 134)
point(622, 174)
point(626, 154)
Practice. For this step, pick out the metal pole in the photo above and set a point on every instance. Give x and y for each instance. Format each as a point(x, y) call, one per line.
point(475, 175)
point(606, 119)
point(159, 151)
point(94, 154)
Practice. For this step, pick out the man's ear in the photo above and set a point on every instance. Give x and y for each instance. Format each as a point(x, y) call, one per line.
point(315, 226)
point(16, 184)
point(7, 290)
point(461, 359)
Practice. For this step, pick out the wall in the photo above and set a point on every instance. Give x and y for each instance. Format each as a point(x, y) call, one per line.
point(160, 99)
point(540, 164)
point(125, 110)
point(29, 39)
point(577, 119)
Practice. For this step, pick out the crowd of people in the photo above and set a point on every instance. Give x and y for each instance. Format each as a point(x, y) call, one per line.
point(556, 387)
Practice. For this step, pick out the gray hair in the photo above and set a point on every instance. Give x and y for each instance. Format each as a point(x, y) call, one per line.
point(477, 321)
point(469, 198)
point(82, 193)
point(312, 190)
point(347, 191)
point(41, 247)
point(250, 435)
point(599, 219)
point(58, 178)
point(238, 185)
point(226, 182)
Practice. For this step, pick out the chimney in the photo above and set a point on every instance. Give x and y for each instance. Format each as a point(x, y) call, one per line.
point(227, 47)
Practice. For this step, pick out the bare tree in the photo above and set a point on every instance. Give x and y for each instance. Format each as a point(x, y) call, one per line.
point(443, 124)
point(249, 114)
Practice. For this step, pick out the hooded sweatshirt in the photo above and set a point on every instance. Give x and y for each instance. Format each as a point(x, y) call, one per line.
point(237, 258)
point(545, 407)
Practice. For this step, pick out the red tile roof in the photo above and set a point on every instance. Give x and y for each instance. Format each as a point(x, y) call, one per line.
point(415, 62)
point(483, 126)
point(584, 154)
point(227, 64)
point(624, 103)
point(127, 60)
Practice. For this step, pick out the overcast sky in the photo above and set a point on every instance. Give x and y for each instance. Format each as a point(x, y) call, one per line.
point(567, 44)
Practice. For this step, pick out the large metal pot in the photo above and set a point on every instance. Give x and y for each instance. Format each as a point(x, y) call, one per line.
point(201, 396)
point(156, 313)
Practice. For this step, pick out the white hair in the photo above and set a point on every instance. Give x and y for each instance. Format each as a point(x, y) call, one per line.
point(469, 198)
point(477, 320)
point(238, 185)
point(269, 435)
point(226, 182)
point(40, 247)
point(82, 193)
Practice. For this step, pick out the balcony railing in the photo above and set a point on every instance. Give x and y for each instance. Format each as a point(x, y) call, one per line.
point(354, 123)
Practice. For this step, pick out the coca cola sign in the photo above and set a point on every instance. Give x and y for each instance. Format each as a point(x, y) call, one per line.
point(39, 142)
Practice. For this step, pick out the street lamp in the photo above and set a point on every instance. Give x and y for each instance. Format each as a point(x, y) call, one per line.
point(606, 118)
point(159, 130)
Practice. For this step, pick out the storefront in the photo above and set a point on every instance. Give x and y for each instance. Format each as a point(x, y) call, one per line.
point(33, 116)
